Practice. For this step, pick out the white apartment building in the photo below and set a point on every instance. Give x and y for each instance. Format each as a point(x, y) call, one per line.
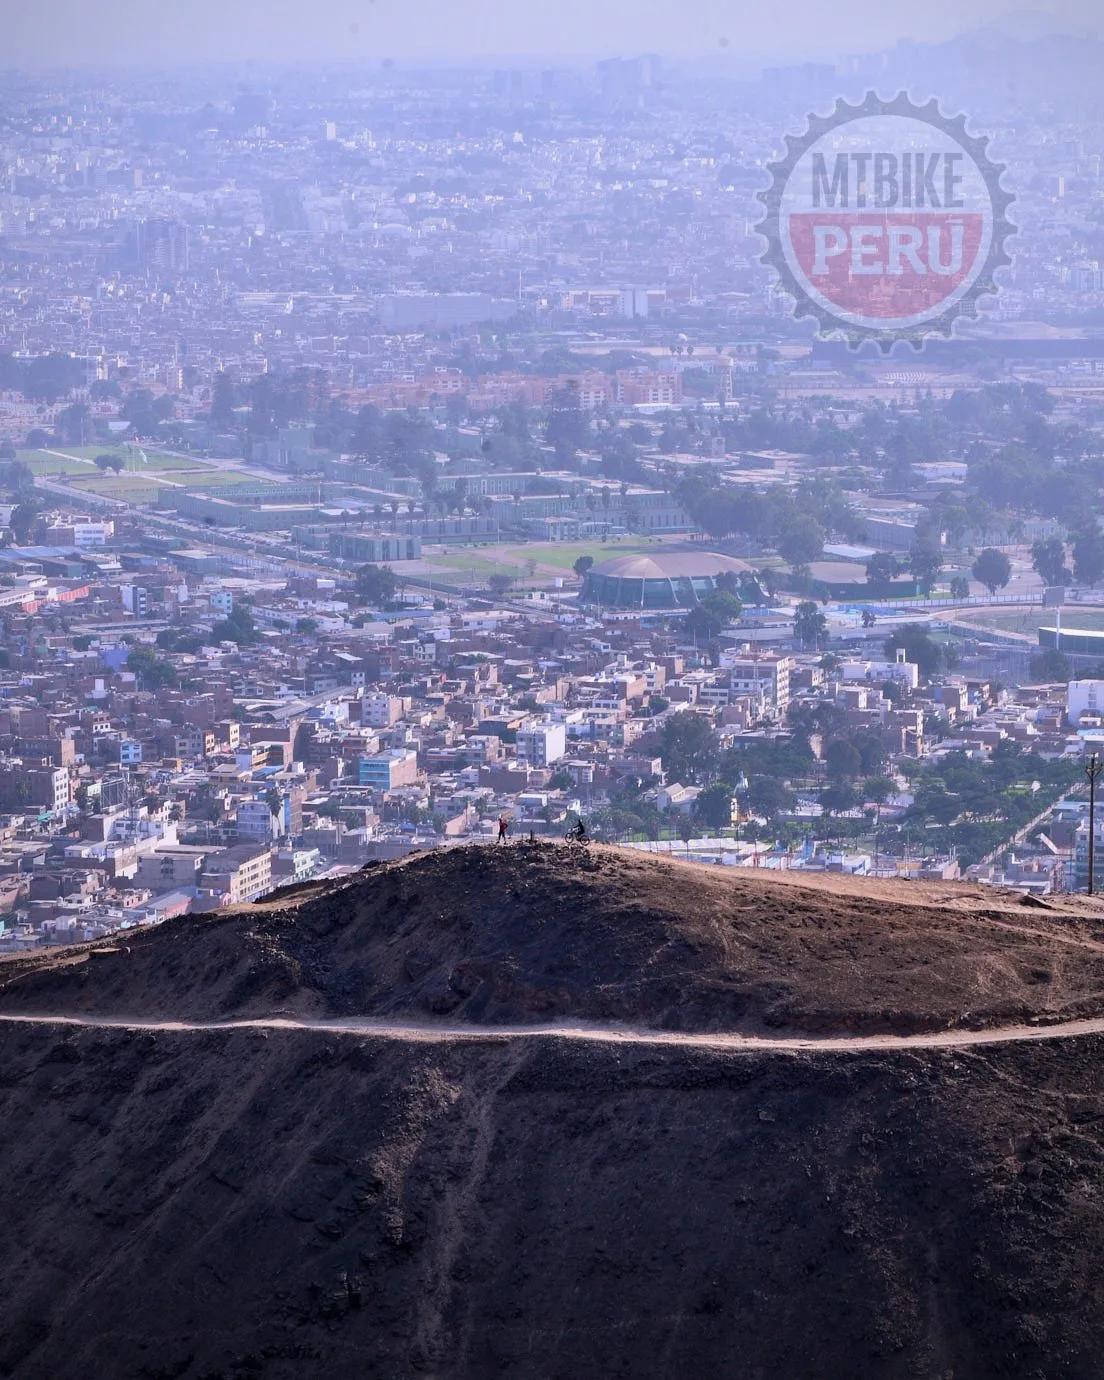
point(380, 710)
point(904, 672)
point(255, 822)
point(1084, 697)
point(754, 673)
point(82, 533)
point(540, 742)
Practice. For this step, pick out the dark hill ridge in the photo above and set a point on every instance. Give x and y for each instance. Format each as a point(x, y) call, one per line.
point(294, 1204)
point(226, 1206)
point(535, 933)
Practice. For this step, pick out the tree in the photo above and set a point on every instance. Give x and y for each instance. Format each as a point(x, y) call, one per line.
point(37, 439)
point(499, 584)
point(869, 618)
point(882, 567)
point(684, 827)
point(960, 587)
point(1050, 667)
point(17, 477)
point(23, 518)
point(842, 760)
point(568, 427)
point(237, 627)
point(838, 798)
point(222, 402)
point(802, 541)
point(689, 746)
point(713, 614)
point(75, 422)
point(306, 625)
point(375, 585)
point(714, 806)
point(878, 789)
point(770, 797)
point(919, 648)
point(1048, 558)
point(150, 672)
point(1088, 554)
point(925, 562)
point(809, 624)
point(992, 568)
point(582, 566)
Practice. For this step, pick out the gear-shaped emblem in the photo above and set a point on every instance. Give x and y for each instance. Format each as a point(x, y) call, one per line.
point(886, 221)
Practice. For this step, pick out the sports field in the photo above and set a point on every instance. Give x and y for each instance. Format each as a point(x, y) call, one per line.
point(138, 481)
point(547, 560)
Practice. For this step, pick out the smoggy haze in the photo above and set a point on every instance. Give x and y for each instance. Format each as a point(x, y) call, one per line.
point(70, 32)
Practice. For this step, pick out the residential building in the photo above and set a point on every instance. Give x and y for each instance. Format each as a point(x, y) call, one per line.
point(387, 770)
point(754, 673)
point(1084, 697)
point(238, 874)
point(541, 742)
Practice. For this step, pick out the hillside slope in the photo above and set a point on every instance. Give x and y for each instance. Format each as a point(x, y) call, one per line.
point(294, 1204)
point(537, 933)
point(230, 1205)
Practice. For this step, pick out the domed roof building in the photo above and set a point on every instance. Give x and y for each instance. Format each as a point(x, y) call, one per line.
point(677, 580)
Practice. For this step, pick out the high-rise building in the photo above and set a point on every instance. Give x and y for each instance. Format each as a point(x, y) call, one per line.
point(162, 244)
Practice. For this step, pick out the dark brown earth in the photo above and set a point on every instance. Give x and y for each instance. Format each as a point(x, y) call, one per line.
point(532, 934)
point(292, 1203)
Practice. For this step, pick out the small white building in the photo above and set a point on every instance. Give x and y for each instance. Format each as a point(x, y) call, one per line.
point(380, 710)
point(905, 673)
point(255, 822)
point(1084, 697)
point(752, 673)
point(540, 742)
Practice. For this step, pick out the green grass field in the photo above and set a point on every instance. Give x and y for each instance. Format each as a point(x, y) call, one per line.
point(512, 559)
point(64, 459)
point(77, 452)
point(38, 462)
point(1029, 620)
point(137, 482)
point(563, 555)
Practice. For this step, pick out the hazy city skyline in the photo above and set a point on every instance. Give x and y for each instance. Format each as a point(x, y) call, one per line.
point(66, 33)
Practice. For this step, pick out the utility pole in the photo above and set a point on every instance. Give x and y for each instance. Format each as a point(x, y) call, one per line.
point(1092, 771)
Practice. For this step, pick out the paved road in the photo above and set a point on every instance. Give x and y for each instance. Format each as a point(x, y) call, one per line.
point(419, 1033)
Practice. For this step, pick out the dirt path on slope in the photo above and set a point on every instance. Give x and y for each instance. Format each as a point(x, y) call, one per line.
point(414, 1032)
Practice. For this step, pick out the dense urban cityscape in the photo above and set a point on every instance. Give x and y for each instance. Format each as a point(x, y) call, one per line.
point(552, 690)
point(389, 454)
